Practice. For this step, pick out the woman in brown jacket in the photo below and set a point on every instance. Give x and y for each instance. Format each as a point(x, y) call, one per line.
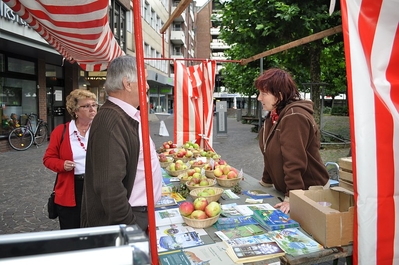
point(289, 139)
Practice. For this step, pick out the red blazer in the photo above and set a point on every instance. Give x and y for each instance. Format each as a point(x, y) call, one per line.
point(54, 159)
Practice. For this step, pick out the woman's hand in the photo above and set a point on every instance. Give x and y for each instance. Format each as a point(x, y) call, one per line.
point(283, 206)
point(69, 165)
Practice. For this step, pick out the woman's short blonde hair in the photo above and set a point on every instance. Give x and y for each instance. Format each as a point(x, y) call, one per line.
point(73, 98)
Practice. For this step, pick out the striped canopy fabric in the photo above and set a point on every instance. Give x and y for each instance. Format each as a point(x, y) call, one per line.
point(371, 39)
point(193, 108)
point(77, 29)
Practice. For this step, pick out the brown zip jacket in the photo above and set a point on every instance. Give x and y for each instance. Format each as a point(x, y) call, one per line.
point(290, 149)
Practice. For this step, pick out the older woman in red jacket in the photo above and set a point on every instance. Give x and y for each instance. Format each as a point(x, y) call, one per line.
point(66, 155)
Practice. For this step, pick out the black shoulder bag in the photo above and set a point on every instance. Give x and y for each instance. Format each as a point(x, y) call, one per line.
point(51, 207)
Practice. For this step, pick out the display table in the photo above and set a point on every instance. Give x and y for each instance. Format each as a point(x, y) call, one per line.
point(163, 131)
point(325, 255)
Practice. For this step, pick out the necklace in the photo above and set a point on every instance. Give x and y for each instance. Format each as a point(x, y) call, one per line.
point(80, 141)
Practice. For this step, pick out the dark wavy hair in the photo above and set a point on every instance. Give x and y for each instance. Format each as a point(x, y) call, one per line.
point(280, 84)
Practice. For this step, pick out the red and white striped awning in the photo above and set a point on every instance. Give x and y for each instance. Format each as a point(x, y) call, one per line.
point(77, 29)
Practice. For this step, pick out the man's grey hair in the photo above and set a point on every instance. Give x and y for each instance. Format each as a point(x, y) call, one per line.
point(120, 67)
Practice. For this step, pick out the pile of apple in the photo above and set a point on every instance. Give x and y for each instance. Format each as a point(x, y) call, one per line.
point(197, 163)
point(206, 192)
point(191, 145)
point(169, 144)
point(197, 179)
point(199, 209)
point(225, 172)
point(177, 165)
point(214, 164)
point(182, 152)
point(163, 158)
point(209, 154)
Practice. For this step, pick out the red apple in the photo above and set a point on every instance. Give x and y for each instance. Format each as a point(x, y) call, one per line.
point(232, 175)
point(186, 208)
point(200, 203)
point(170, 142)
point(191, 171)
point(226, 169)
point(217, 172)
point(222, 177)
point(198, 214)
point(212, 209)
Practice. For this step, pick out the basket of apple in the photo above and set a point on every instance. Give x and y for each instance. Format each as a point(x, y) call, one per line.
point(226, 176)
point(200, 213)
point(176, 168)
point(183, 154)
point(212, 194)
point(165, 160)
point(197, 163)
point(209, 167)
point(199, 181)
point(167, 146)
point(210, 155)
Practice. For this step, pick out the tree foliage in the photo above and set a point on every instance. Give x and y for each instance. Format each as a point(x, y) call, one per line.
point(252, 27)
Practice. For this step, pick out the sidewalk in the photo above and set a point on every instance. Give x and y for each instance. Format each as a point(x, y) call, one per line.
point(25, 183)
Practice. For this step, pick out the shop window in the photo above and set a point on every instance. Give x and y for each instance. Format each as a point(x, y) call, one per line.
point(21, 66)
point(11, 96)
point(17, 98)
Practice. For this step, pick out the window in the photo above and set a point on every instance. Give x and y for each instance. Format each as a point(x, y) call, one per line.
point(177, 27)
point(177, 50)
point(117, 22)
point(21, 66)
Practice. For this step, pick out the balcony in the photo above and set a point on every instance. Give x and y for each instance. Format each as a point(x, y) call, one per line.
point(177, 37)
point(215, 31)
point(219, 45)
point(181, 17)
point(176, 56)
point(218, 56)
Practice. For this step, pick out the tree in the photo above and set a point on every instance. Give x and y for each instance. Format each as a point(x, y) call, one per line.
point(256, 26)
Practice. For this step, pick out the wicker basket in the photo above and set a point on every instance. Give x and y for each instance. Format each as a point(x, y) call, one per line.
point(166, 164)
point(209, 174)
point(228, 182)
point(211, 198)
point(184, 159)
point(175, 173)
point(201, 223)
point(197, 187)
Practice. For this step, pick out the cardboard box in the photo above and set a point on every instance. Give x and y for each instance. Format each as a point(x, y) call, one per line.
point(345, 176)
point(346, 185)
point(330, 226)
point(345, 164)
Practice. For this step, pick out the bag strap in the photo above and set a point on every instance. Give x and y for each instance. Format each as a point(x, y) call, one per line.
point(62, 139)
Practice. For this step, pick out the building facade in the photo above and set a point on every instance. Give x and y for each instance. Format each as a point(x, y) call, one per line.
point(34, 78)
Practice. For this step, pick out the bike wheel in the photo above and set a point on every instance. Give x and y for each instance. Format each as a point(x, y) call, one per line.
point(41, 135)
point(20, 138)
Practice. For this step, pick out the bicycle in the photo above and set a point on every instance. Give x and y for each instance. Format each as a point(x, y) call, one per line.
point(22, 137)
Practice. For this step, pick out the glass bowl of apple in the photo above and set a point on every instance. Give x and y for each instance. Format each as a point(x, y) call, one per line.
point(226, 176)
point(212, 194)
point(199, 181)
point(200, 213)
point(177, 167)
